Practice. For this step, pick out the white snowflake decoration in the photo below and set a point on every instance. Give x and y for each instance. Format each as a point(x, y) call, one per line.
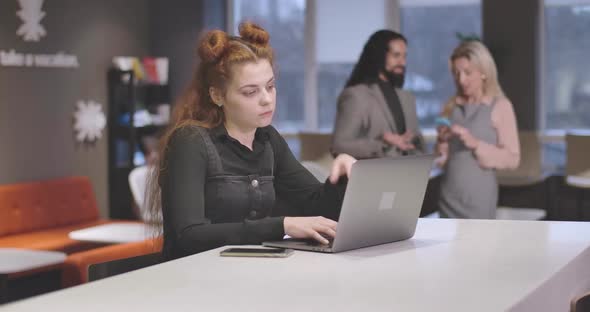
point(89, 121)
point(31, 14)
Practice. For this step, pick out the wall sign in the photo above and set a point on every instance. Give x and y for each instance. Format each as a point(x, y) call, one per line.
point(89, 121)
point(61, 60)
point(31, 13)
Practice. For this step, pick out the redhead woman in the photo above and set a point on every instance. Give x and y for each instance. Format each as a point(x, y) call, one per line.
point(224, 165)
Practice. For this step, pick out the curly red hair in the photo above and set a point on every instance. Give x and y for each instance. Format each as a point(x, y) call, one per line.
point(218, 53)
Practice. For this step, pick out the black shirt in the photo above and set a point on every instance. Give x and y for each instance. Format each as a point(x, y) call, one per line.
point(183, 182)
point(395, 106)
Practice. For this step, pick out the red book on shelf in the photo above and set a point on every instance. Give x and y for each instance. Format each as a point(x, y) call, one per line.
point(149, 64)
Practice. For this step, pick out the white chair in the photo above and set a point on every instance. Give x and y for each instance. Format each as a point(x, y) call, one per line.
point(138, 179)
point(318, 171)
point(434, 215)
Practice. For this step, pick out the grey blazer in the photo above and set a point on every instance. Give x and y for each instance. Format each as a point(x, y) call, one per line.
point(362, 118)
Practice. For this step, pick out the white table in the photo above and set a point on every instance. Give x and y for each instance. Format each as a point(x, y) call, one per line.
point(449, 265)
point(113, 233)
point(578, 181)
point(16, 260)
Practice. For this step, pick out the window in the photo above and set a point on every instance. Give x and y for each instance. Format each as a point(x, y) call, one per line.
point(339, 43)
point(285, 21)
point(331, 80)
point(337, 46)
point(338, 37)
point(432, 28)
point(566, 78)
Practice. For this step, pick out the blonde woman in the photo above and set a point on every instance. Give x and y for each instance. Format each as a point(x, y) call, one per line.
point(479, 137)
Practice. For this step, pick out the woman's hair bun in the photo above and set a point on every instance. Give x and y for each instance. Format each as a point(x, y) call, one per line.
point(254, 34)
point(213, 45)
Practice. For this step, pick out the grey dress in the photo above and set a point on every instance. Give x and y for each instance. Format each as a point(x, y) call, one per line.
point(467, 190)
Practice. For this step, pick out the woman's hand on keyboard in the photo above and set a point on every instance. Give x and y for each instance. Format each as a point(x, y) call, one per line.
point(310, 227)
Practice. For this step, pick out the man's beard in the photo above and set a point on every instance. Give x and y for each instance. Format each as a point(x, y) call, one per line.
point(395, 79)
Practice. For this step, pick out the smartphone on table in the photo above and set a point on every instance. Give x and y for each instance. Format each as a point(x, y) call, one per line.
point(256, 252)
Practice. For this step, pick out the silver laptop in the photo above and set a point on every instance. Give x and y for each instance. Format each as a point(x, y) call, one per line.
point(382, 204)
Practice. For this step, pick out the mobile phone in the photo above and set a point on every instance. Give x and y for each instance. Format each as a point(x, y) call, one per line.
point(256, 252)
point(442, 121)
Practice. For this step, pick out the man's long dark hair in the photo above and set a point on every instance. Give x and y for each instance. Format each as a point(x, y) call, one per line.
point(372, 60)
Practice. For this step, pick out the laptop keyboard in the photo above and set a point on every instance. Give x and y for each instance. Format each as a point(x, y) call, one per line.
point(329, 244)
point(311, 242)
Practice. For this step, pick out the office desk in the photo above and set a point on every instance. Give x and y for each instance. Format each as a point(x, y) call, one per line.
point(449, 265)
point(113, 233)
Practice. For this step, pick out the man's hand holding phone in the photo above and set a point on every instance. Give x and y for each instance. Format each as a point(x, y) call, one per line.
point(403, 142)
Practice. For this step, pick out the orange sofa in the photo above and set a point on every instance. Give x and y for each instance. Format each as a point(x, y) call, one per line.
point(39, 215)
point(75, 268)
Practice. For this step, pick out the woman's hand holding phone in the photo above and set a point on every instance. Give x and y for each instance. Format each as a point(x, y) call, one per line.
point(443, 128)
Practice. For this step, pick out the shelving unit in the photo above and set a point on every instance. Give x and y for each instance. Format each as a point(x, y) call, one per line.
point(128, 98)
